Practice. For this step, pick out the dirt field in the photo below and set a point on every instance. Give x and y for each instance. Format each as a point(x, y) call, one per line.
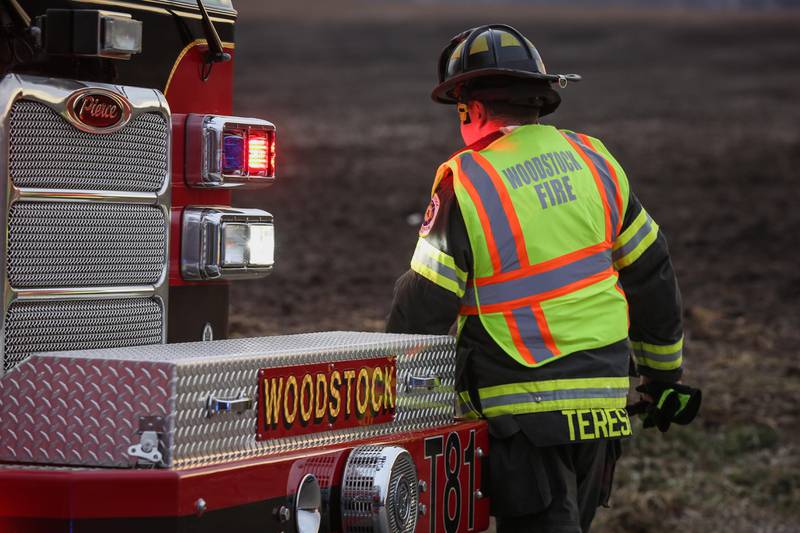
point(702, 111)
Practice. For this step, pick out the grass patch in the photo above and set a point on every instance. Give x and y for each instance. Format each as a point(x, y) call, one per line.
point(744, 477)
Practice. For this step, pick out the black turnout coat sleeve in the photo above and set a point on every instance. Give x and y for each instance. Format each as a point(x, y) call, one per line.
point(419, 304)
point(654, 298)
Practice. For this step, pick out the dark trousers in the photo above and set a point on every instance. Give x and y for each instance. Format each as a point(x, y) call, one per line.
point(553, 489)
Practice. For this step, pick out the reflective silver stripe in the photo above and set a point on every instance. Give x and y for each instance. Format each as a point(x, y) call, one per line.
point(499, 224)
point(466, 406)
point(604, 171)
point(546, 396)
point(660, 357)
point(634, 241)
point(439, 268)
point(531, 334)
point(539, 282)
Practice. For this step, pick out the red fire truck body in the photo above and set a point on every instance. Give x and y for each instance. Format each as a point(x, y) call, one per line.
point(243, 496)
point(122, 406)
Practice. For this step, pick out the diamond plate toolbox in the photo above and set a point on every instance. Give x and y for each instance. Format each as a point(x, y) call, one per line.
point(92, 407)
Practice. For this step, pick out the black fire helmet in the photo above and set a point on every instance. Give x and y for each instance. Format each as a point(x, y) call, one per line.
point(510, 67)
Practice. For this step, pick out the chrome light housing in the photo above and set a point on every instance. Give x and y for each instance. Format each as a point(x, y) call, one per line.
point(225, 152)
point(226, 243)
point(380, 491)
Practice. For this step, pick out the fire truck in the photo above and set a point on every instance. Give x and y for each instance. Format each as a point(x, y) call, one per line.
point(123, 406)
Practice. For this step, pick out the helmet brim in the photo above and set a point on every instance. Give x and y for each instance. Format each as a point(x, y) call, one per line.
point(443, 93)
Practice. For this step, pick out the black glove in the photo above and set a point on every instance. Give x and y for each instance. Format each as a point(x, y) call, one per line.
point(673, 403)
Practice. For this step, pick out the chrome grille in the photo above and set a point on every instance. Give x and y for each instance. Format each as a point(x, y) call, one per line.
point(64, 244)
point(379, 491)
point(79, 325)
point(87, 219)
point(47, 152)
point(401, 508)
point(359, 489)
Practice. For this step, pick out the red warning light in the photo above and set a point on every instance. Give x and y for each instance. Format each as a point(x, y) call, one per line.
point(223, 151)
point(257, 153)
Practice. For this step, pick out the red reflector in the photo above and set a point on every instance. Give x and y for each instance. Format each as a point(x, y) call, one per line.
point(257, 153)
point(272, 154)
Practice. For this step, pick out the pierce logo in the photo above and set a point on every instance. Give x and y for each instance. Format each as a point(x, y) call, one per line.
point(98, 110)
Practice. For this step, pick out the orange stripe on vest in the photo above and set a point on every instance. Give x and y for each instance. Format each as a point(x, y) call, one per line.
point(508, 207)
point(613, 172)
point(598, 182)
point(494, 253)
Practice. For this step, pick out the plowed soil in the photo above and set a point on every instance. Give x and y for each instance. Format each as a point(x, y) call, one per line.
point(701, 108)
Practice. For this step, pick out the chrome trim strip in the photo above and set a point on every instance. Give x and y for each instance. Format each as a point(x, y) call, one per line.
point(70, 195)
point(82, 293)
point(166, 11)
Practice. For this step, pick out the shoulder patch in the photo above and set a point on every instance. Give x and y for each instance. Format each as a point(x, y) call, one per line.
point(430, 216)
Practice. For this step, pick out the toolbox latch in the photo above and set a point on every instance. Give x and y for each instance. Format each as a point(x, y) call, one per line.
point(147, 451)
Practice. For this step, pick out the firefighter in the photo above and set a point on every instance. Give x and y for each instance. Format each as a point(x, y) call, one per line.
point(534, 241)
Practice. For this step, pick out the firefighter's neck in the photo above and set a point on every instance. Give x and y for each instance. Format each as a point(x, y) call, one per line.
point(480, 124)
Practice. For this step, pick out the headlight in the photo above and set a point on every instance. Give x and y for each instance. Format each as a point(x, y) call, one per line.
point(224, 242)
point(235, 237)
point(262, 244)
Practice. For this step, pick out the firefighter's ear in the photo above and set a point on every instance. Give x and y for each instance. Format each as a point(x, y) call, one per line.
point(477, 112)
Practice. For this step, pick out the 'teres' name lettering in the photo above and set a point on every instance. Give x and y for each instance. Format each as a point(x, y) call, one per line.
point(590, 424)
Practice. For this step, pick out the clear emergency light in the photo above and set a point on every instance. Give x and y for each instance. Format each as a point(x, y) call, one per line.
point(90, 33)
point(226, 243)
point(224, 152)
